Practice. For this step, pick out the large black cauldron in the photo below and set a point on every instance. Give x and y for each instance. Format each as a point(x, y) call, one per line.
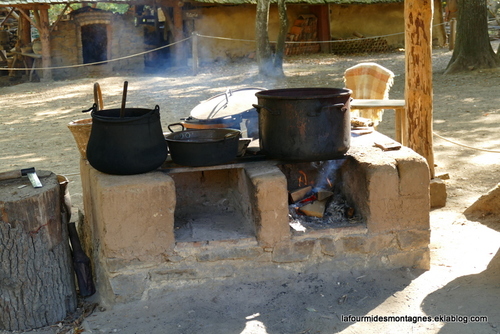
point(304, 124)
point(128, 141)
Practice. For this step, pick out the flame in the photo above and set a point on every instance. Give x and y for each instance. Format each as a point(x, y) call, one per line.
point(329, 183)
point(302, 178)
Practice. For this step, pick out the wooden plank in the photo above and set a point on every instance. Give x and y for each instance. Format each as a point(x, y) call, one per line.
point(170, 167)
point(375, 103)
point(397, 105)
point(418, 80)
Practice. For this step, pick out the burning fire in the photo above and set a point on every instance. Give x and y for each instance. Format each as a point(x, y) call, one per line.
point(317, 200)
point(302, 178)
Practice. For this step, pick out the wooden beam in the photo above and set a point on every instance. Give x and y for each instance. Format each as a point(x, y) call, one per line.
point(11, 12)
point(178, 35)
point(27, 17)
point(418, 81)
point(59, 17)
point(168, 3)
point(42, 17)
point(24, 32)
point(32, 6)
point(168, 20)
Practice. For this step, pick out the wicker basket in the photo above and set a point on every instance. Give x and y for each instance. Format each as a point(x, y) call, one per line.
point(81, 132)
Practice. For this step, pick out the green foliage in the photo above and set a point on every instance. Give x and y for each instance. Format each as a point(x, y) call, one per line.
point(55, 10)
point(113, 7)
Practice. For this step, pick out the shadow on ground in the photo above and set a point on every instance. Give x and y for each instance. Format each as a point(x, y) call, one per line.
point(300, 303)
point(472, 299)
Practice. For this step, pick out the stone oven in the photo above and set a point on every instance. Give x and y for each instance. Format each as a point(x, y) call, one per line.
point(91, 35)
point(179, 226)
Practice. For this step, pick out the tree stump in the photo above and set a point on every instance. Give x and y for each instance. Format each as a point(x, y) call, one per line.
point(37, 286)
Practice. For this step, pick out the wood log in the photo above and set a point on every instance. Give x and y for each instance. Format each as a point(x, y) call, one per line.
point(314, 209)
point(36, 274)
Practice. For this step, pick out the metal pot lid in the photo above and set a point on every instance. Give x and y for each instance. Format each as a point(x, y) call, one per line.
point(229, 103)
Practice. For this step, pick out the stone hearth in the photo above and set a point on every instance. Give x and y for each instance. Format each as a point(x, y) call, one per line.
point(146, 236)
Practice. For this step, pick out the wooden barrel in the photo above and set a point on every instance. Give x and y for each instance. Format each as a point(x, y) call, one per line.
point(36, 274)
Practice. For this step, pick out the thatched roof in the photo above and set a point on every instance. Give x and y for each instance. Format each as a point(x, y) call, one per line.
point(8, 3)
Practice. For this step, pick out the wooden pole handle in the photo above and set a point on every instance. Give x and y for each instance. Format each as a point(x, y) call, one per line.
point(14, 174)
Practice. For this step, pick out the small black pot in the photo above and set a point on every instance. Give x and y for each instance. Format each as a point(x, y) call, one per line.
point(203, 147)
point(131, 143)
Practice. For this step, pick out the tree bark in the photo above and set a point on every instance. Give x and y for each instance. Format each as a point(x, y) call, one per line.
point(472, 46)
point(36, 274)
point(418, 79)
point(264, 54)
point(280, 44)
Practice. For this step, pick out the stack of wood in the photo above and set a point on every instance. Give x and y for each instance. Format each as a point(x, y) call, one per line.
point(304, 29)
point(8, 36)
point(310, 202)
point(359, 44)
point(8, 28)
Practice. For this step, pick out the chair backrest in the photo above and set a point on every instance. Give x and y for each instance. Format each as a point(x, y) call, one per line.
point(369, 81)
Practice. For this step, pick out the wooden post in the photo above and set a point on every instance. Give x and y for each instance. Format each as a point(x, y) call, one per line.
point(195, 52)
point(36, 272)
point(44, 30)
point(24, 33)
point(418, 82)
point(178, 35)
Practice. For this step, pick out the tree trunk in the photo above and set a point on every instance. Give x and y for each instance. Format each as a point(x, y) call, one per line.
point(472, 46)
point(264, 54)
point(280, 44)
point(36, 274)
point(418, 82)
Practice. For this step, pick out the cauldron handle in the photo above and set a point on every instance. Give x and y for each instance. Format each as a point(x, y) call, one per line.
point(342, 106)
point(93, 108)
point(175, 124)
point(259, 107)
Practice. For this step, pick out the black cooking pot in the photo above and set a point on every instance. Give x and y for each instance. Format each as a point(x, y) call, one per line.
point(304, 124)
point(202, 147)
point(127, 143)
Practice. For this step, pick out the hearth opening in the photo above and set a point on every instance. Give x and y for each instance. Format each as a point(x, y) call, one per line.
point(212, 205)
point(94, 43)
point(316, 198)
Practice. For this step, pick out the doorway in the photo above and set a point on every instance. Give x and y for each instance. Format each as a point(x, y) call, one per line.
point(94, 43)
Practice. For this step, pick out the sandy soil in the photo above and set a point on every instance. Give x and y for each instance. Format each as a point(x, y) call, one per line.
point(463, 279)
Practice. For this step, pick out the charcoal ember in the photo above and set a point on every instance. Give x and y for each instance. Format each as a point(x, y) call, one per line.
point(337, 213)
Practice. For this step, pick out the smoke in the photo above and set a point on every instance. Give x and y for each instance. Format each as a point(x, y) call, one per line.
point(327, 172)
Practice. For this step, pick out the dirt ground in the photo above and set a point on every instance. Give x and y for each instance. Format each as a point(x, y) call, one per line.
point(465, 259)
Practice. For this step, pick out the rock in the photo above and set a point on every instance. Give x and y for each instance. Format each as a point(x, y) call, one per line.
point(486, 204)
point(438, 193)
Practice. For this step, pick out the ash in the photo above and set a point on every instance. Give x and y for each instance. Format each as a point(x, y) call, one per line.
point(338, 213)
